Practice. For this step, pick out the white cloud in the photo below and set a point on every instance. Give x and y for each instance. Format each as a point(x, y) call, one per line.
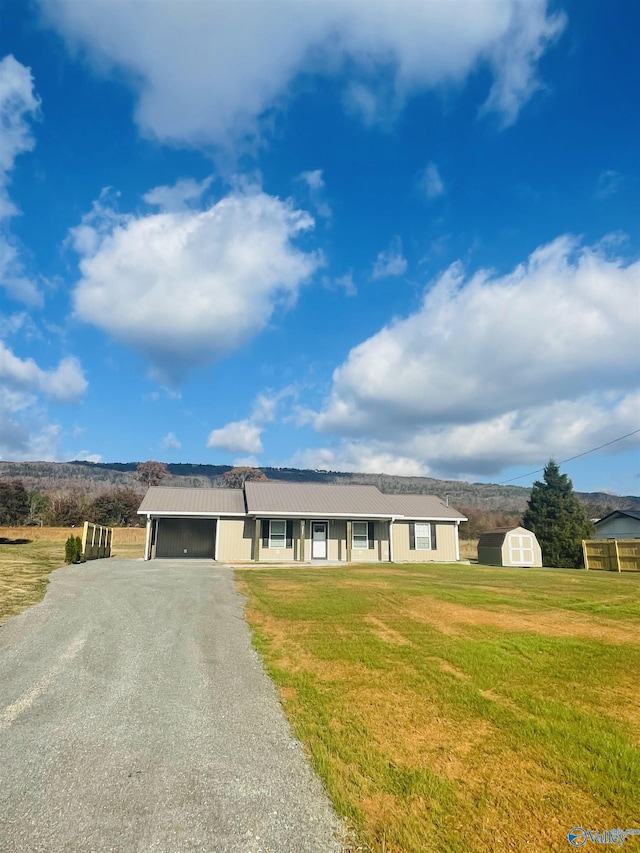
point(65, 384)
point(390, 262)
point(429, 181)
point(246, 462)
point(208, 76)
point(315, 184)
point(343, 282)
point(87, 456)
point(360, 457)
point(237, 437)
point(18, 105)
point(609, 182)
point(186, 288)
point(170, 442)
point(499, 370)
point(314, 179)
point(514, 57)
point(182, 195)
point(24, 431)
point(484, 448)
point(13, 277)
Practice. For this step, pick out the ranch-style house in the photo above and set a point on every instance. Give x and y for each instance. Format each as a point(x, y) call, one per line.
point(291, 522)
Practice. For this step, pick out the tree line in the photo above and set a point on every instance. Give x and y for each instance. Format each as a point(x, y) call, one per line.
point(113, 508)
point(20, 506)
point(554, 512)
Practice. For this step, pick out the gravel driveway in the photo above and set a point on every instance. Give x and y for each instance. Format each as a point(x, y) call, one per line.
point(135, 716)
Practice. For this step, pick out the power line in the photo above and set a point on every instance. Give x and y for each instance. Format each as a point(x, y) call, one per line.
point(571, 458)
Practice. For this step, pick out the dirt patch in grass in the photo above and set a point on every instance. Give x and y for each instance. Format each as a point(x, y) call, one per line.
point(291, 588)
point(389, 635)
point(451, 619)
point(445, 666)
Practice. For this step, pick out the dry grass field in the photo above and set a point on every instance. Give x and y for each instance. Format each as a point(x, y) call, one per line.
point(28, 555)
point(460, 708)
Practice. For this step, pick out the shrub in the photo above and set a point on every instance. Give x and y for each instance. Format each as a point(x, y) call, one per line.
point(73, 549)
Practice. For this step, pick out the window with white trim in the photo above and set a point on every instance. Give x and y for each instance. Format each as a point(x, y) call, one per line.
point(360, 535)
point(277, 533)
point(423, 537)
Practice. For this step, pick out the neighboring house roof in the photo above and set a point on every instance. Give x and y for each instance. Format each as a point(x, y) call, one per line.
point(164, 500)
point(295, 500)
point(630, 513)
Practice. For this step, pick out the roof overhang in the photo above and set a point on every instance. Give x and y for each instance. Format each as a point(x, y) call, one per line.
point(165, 513)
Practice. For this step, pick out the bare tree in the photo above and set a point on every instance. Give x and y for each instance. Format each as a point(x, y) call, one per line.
point(237, 477)
point(151, 473)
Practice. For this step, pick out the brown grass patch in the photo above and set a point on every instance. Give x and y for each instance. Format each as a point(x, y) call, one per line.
point(451, 619)
point(386, 633)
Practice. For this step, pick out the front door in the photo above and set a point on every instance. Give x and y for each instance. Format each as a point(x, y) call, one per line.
point(319, 540)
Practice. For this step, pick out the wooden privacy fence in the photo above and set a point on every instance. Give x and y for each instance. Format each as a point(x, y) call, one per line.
point(612, 555)
point(96, 541)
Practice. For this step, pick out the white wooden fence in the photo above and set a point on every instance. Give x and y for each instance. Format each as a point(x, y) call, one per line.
point(96, 541)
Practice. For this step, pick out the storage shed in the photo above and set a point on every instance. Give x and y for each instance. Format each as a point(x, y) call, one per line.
point(509, 546)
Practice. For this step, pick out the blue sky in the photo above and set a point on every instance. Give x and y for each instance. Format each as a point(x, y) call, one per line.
point(394, 237)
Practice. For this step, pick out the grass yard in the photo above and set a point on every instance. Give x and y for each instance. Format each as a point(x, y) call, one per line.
point(28, 555)
point(454, 708)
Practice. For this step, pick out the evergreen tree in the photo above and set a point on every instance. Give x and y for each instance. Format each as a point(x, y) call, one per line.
point(558, 519)
point(14, 502)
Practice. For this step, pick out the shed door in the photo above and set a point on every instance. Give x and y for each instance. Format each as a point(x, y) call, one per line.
point(190, 538)
point(521, 549)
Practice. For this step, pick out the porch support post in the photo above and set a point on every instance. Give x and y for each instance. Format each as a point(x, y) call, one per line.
point(391, 540)
point(147, 541)
point(302, 531)
point(256, 539)
point(457, 541)
point(349, 540)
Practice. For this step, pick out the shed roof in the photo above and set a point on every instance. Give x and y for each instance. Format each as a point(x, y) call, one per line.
point(165, 500)
point(495, 538)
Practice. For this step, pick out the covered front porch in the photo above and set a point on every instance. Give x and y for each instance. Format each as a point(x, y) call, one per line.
point(321, 540)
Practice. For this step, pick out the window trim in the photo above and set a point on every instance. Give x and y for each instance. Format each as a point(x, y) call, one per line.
point(281, 542)
point(370, 536)
point(413, 536)
point(267, 539)
point(355, 545)
point(422, 525)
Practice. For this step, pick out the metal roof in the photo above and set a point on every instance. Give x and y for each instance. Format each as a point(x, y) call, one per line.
point(164, 500)
point(349, 501)
point(295, 500)
point(422, 506)
point(308, 499)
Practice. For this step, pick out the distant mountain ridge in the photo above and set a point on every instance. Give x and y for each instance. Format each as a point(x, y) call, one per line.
point(93, 477)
